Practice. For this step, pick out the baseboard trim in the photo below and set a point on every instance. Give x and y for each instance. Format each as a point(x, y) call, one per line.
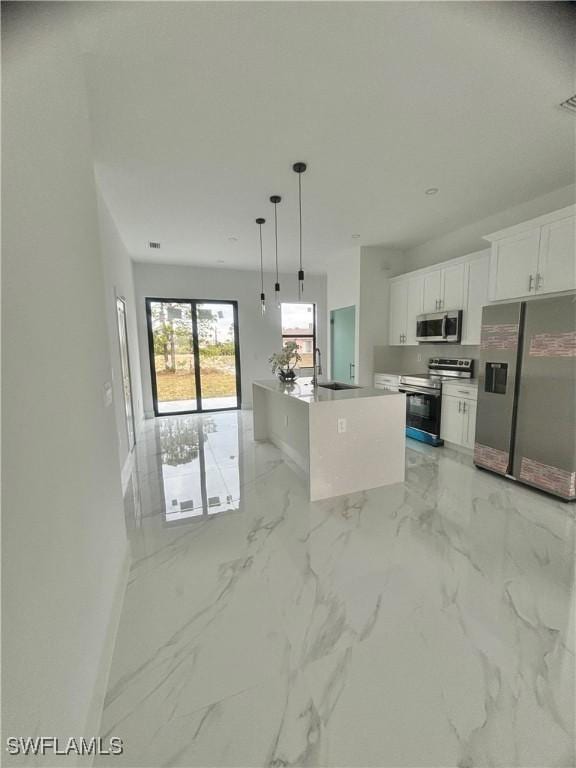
point(96, 707)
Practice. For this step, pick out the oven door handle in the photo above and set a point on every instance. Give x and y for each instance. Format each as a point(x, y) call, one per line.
point(409, 391)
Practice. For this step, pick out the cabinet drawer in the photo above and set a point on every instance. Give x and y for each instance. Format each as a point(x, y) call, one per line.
point(467, 391)
point(384, 381)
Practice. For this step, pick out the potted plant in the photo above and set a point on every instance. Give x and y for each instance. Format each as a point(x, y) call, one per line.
point(283, 362)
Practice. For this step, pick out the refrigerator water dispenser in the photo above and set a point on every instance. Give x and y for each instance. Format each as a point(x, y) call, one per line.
point(496, 378)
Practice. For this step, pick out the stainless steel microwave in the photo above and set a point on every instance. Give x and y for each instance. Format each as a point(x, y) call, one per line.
point(439, 327)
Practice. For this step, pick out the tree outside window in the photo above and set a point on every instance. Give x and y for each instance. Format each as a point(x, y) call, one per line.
point(299, 325)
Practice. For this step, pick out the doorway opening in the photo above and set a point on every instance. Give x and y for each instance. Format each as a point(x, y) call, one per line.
point(343, 344)
point(125, 369)
point(194, 355)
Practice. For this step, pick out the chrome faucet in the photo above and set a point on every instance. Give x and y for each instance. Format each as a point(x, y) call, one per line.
point(317, 366)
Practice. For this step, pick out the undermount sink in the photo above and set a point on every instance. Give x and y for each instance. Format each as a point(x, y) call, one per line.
point(337, 385)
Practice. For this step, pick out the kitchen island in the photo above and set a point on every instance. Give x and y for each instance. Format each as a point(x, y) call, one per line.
point(342, 440)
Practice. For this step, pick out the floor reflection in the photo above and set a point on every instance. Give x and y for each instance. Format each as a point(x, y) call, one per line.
point(199, 463)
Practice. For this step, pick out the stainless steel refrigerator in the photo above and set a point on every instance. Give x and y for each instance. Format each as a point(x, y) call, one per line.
point(526, 420)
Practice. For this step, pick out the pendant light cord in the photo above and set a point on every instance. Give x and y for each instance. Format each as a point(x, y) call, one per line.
point(276, 236)
point(261, 261)
point(300, 213)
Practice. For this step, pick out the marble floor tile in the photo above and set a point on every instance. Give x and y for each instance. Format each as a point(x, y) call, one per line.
point(425, 624)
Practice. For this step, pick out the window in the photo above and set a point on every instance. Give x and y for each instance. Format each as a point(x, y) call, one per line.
point(299, 325)
point(194, 358)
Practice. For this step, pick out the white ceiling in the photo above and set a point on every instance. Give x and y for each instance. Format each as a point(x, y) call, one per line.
point(200, 109)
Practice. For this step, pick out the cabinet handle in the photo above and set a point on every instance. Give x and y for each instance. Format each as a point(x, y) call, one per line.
point(539, 281)
point(440, 303)
point(463, 392)
point(463, 406)
point(530, 282)
point(352, 368)
point(459, 406)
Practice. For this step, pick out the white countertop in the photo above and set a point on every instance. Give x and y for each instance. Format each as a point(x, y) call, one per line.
point(303, 391)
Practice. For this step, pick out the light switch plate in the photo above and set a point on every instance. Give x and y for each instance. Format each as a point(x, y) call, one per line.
point(341, 426)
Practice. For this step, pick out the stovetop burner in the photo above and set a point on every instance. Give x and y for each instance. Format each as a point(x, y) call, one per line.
point(440, 369)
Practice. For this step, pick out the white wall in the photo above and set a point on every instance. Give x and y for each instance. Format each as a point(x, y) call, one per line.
point(377, 265)
point(64, 542)
point(118, 281)
point(470, 238)
point(259, 336)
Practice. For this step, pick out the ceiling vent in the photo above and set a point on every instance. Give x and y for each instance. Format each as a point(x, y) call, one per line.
point(153, 244)
point(570, 104)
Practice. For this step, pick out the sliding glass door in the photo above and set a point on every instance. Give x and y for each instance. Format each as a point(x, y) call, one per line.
point(194, 355)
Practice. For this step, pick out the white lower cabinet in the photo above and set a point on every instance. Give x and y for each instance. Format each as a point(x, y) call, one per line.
point(469, 433)
point(458, 421)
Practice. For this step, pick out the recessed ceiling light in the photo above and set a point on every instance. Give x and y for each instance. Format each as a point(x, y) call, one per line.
point(220, 261)
point(432, 191)
point(355, 237)
point(153, 244)
point(233, 239)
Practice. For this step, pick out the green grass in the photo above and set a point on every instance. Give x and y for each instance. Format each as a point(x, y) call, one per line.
point(218, 379)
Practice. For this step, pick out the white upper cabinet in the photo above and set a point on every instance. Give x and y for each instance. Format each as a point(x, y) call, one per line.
point(557, 263)
point(415, 303)
point(535, 257)
point(458, 284)
point(443, 288)
point(513, 265)
point(432, 287)
point(398, 312)
point(452, 287)
point(406, 296)
point(476, 296)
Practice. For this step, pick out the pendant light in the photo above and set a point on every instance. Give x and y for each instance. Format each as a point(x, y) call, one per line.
point(275, 199)
point(299, 168)
point(262, 294)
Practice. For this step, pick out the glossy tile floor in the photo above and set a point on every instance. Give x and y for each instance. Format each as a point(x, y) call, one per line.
point(429, 623)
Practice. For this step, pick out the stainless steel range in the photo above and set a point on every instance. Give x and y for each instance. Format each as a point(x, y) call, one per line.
point(424, 396)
